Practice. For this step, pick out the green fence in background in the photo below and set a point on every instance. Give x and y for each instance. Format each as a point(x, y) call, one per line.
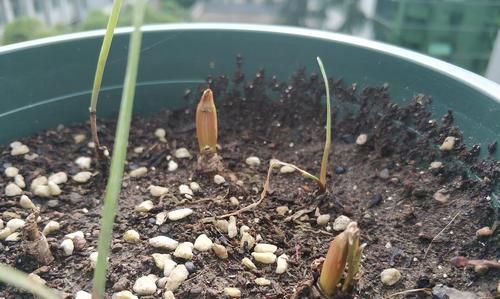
point(459, 31)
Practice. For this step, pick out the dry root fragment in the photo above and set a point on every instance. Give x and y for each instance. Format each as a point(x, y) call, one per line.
point(37, 245)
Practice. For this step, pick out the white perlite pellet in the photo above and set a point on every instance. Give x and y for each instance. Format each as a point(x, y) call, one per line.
point(160, 133)
point(83, 295)
point(145, 285)
point(157, 191)
point(184, 189)
point(168, 295)
point(19, 181)
point(58, 178)
point(323, 219)
point(253, 161)
point(67, 247)
point(124, 295)
point(15, 224)
point(203, 243)
point(93, 259)
point(144, 206)
point(362, 138)
point(182, 153)
point(248, 263)
point(52, 226)
point(160, 259)
point(172, 165)
point(131, 236)
point(39, 181)
point(17, 148)
point(138, 172)
point(390, 276)
point(13, 190)
point(4, 233)
point(282, 264)
point(448, 143)
point(261, 281)
point(176, 278)
point(264, 257)
point(287, 169)
point(179, 214)
point(194, 186)
point(161, 218)
point(219, 180)
point(263, 247)
point(232, 292)
point(11, 172)
point(14, 237)
point(54, 189)
point(341, 223)
point(220, 251)
point(232, 229)
point(184, 251)
point(163, 242)
point(168, 266)
point(82, 177)
point(79, 138)
point(42, 191)
point(83, 162)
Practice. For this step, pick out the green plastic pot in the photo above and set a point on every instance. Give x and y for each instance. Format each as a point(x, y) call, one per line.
point(47, 82)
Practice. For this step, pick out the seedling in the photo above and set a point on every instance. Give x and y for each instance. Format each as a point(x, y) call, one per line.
point(206, 132)
point(344, 249)
point(101, 64)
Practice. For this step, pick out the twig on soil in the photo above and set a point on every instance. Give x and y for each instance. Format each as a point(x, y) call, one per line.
point(436, 236)
point(425, 290)
point(319, 231)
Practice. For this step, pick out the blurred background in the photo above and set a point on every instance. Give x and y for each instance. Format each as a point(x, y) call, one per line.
point(463, 32)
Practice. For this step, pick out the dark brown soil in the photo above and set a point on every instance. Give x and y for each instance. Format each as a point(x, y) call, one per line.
point(397, 214)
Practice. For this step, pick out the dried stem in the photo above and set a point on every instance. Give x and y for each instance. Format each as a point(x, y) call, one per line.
point(326, 150)
point(37, 245)
point(436, 236)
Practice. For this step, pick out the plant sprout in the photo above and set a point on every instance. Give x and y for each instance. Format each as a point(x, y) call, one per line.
point(119, 152)
point(206, 123)
point(344, 249)
point(22, 281)
point(101, 64)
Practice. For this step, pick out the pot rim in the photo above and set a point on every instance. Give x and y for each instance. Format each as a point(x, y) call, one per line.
point(475, 81)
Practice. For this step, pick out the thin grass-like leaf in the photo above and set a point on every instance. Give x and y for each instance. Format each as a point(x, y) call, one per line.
point(20, 280)
point(113, 187)
point(326, 150)
point(101, 64)
point(206, 122)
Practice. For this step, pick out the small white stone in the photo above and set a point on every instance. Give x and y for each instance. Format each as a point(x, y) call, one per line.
point(58, 178)
point(184, 189)
point(39, 181)
point(323, 219)
point(54, 189)
point(172, 165)
point(157, 191)
point(13, 190)
point(390, 276)
point(161, 218)
point(219, 180)
point(441, 196)
point(244, 229)
point(263, 247)
point(168, 266)
point(14, 237)
point(179, 214)
point(4, 233)
point(176, 278)
point(124, 295)
point(220, 251)
point(91, 144)
point(436, 165)
point(282, 210)
point(138, 172)
point(232, 229)
point(341, 223)
point(287, 169)
point(160, 259)
point(161, 134)
point(194, 186)
point(139, 149)
point(52, 226)
point(182, 153)
point(222, 224)
point(15, 224)
point(67, 247)
point(203, 243)
point(79, 138)
point(11, 172)
point(163, 242)
point(253, 161)
point(362, 138)
point(93, 259)
point(264, 257)
point(83, 162)
point(261, 281)
point(82, 177)
point(1, 224)
point(247, 241)
point(83, 295)
point(448, 143)
point(42, 191)
point(282, 264)
point(184, 251)
point(20, 150)
point(168, 295)
point(144, 206)
point(144, 285)
point(131, 236)
point(248, 263)
point(19, 181)
point(74, 235)
point(232, 292)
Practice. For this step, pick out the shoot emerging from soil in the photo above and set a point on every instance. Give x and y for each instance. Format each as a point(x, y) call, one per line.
point(119, 152)
point(101, 63)
point(206, 123)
